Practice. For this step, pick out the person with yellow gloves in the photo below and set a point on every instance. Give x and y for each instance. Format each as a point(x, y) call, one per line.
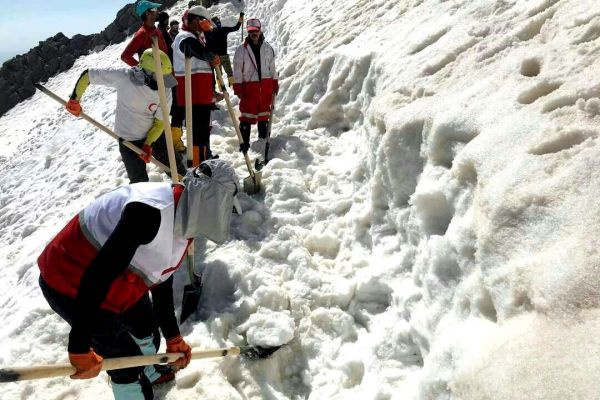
point(98, 271)
point(138, 116)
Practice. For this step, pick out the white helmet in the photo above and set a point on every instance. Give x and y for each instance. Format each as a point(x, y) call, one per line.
point(199, 11)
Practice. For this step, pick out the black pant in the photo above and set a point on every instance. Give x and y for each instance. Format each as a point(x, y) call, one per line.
point(201, 124)
point(112, 333)
point(245, 130)
point(134, 165)
point(177, 112)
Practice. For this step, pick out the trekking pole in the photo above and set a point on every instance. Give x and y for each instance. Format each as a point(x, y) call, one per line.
point(102, 127)
point(242, 30)
point(15, 374)
point(165, 109)
point(251, 183)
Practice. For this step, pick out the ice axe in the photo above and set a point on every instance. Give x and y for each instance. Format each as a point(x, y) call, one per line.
point(252, 182)
point(15, 374)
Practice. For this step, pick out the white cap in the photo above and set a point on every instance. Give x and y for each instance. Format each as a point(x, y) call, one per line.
point(199, 11)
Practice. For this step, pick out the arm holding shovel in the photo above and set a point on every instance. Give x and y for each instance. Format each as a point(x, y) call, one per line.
point(138, 226)
point(99, 284)
point(108, 77)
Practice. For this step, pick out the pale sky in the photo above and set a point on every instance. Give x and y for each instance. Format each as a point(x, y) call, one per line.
point(24, 23)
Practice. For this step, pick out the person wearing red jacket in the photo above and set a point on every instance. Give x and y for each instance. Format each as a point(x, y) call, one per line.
point(142, 39)
point(256, 82)
point(190, 42)
point(99, 269)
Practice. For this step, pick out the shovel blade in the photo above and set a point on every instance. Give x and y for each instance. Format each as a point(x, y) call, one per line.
point(252, 185)
point(257, 352)
point(191, 297)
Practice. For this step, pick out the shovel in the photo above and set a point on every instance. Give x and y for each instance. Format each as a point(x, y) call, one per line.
point(191, 291)
point(15, 374)
point(252, 182)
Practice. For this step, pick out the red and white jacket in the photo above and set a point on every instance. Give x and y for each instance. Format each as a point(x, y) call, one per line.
point(202, 75)
point(66, 258)
point(256, 95)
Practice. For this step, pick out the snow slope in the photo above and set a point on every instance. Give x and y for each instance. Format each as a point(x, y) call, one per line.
point(430, 221)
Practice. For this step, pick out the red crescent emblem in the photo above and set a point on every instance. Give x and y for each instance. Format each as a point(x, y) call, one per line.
point(152, 107)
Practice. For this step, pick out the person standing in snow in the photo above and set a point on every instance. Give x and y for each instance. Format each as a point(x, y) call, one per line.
point(163, 26)
point(256, 82)
point(98, 271)
point(177, 113)
point(217, 43)
point(191, 42)
point(138, 118)
point(142, 39)
point(173, 30)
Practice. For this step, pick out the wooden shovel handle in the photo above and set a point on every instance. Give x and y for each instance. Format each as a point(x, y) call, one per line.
point(162, 95)
point(52, 371)
point(234, 121)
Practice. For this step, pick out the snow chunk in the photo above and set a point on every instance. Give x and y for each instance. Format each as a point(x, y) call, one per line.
point(325, 243)
point(268, 328)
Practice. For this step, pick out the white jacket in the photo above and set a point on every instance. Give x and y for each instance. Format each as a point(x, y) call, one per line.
point(245, 68)
point(137, 105)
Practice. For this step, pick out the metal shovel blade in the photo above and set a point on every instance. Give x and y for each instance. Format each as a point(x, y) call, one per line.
point(257, 352)
point(191, 298)
point(252, 185)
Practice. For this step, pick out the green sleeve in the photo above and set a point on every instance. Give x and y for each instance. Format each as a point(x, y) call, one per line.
point(82, 84)
point(154, 132)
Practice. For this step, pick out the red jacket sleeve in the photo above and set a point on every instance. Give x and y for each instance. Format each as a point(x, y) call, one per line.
point(131, 49)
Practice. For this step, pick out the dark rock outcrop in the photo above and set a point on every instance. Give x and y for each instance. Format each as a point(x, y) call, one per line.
point(58, 54)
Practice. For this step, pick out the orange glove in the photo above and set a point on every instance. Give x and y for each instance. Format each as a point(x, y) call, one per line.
point(88, 365)
point(178, 345)
point(215, 62)
point(148, 150)
point(206, 25)
point(74, 107)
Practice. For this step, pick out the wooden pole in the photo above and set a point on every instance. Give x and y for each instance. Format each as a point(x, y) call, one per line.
point(51, 371)
point(189, 131)
point(165, 108)
point(189, 123)
point(236, 125)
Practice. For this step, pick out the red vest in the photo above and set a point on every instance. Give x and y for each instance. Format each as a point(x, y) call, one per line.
point(66, 258)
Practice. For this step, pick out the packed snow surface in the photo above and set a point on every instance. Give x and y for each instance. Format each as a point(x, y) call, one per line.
point(430, 220)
